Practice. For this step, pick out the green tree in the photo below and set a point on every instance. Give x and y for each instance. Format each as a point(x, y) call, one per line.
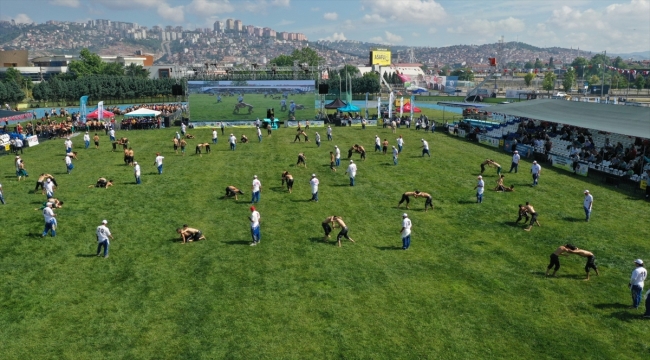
point(594, 79)
point(580, 64)
point(619, 63)
point(88, 64)
point(138, 71)
point(13, 75)
point(528, 79)
point(282, 60)
point(464, 74)
point(306, 55)
point(445, 70)
point(529, 65)
point(639, 83)
point(351, 70)
point(569, 80)
point(14, 93)
point(550, 63)
point(3, 93)
point(113, 69)
point(548, 83)
point(597, 62)
point(538, 64)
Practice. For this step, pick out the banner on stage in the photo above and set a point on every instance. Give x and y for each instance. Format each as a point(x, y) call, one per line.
point(31, 141)
point(486, 140)
point(567, 164)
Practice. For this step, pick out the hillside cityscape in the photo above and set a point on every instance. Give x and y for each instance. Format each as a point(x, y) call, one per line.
point(232, 43)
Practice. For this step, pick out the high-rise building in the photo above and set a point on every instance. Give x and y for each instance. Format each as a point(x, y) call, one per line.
point(230, 25)
point(268, 32)
point(218, 26)
point(250, 29)
point(239, 26)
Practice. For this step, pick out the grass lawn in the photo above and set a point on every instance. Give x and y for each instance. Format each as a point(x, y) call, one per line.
point(471, 286)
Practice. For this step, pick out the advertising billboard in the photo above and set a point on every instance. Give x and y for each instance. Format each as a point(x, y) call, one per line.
point(380, 57)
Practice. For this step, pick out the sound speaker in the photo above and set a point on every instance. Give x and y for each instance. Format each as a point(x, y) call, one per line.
point(323, 89)
point(177, 90)
point(167, 122)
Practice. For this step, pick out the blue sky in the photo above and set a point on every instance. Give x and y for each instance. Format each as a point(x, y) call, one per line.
point(619, 26)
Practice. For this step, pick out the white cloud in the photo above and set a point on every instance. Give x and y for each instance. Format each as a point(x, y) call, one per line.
point(175, 14)
point(348, 25)
point(414, 34)
point(373, 19)
point(420, 11)
point(128, 4)
point(335, 37)
point(19, 18)
point(285, 22)
point(489, 28)
point(66, 3)
point(315, 9)
point(432, 30)
point(331, 16)
point(210, 7)
point(281, 3)
point(389, 38)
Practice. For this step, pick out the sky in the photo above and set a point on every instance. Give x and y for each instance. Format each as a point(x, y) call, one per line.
point(615, 26)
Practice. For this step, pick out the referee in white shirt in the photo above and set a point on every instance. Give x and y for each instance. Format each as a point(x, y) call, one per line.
point(636, 283)
point(406, 231)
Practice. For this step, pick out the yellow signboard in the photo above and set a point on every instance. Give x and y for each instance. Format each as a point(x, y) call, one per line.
point(380, 57)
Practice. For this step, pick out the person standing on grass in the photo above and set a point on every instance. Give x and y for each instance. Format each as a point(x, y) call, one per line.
point(314, 187)
point(103, 234)
point(588, 202)
point(425, 148)
point(183, 144)
point(111, 134)
point(536, 171)
point(2, 197)
point(50, 220)
point(256, 188)
point(384, 147)
point(377, 143)
point(183, 128)
point(289, 179)
point(68, 164)
point(515, 161)
point(317, 137)
point(332, 162)
point(533, 216)
point(259, 133)
point(255, 226)
point(337, 157)
point(68, 145)
point(176, 143)
point(159, 163)
point(343, 232)
point(222, 128)
point(22, 172)
point(232, 140)
point(406, 231)
point(395, 155)
point(18, 146)
point(49, 188)
point(555, 257)
point(214, 136)
point(637, 281)
point(480, 186)
point(400, 143)
point(96, 140)
point(352, 171)
point(329, 133)
point(136, 172)
point(86, 140)
point(591, 260)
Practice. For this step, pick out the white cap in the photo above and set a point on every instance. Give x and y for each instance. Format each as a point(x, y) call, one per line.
point(535, 162)
point(480, 177)
point(351, 161)
point(50, 205)
point(313, 175)
point(586, 191)
point(104, 222)
point(336, 146)
point(254, 176)
point(421, 139)
point(516, 152)
point(135, 163)
point(638, 262)
point(405, 215)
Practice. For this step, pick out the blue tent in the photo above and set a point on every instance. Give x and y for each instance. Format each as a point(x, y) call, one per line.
point(349, 108)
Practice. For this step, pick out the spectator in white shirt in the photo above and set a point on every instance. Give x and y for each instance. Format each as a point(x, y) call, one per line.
point(232, 140)
point(314, 187)
point(86, 140)
point(317, 140)
point(377, 143)
point(515, 162)
point(111, 134)
point(259, 133)
point(480, 186)
point(50, 221)
point(352, 171)
point(406, 232)
point(256, 189)
point(136, 172)
point(588, 202)
point(18, 146)
point(329, 133)
point(536, 170)
point(68, 164)
point(68, 145)
point(214, 136)
point(255, 226)
point(159, 162)
point(103, 233)
point(400, 143)
point(425, 148)
point(395, 155)
point(337, 155)
point(636, 283)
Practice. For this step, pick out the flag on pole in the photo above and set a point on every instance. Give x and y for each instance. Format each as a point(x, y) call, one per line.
point(83, 101)
point(390, 105)
point(100, 111)
point(412, 105)
point(378, 107)
point(401, 106)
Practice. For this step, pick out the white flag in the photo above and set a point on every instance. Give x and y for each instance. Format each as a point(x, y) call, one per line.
point(390, 105)
point(100, 110)
point(378, 107)
point(401, 106)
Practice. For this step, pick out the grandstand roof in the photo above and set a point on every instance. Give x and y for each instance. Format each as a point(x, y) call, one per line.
point(618, 119)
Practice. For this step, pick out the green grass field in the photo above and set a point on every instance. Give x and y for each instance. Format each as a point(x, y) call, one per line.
point(204, 107)
point(471, 286)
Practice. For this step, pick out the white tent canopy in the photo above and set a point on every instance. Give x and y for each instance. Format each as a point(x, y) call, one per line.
point(143, 112)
